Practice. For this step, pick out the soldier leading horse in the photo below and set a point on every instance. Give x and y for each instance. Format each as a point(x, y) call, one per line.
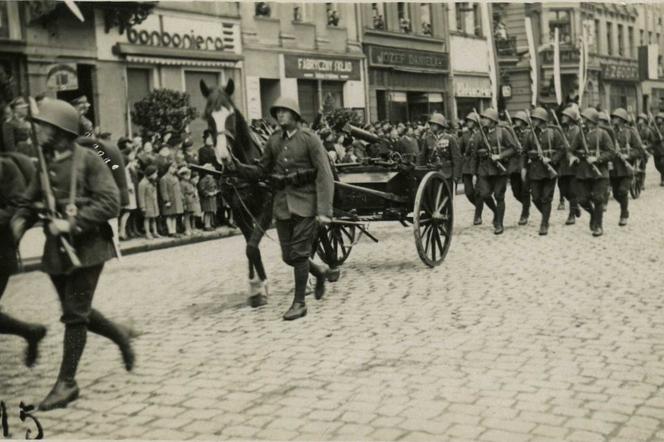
point(250, 202)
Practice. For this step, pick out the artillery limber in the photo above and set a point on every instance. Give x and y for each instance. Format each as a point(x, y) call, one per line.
point(388, 188)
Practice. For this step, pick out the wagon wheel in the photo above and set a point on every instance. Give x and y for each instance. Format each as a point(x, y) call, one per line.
point(433, 218)
point(335, 242)
point(635, 187)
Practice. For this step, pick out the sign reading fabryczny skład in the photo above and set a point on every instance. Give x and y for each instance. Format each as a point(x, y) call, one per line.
point(323, 68)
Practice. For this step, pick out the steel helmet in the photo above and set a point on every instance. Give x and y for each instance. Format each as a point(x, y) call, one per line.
point(540, 113)
point(590, 114)
point(620, 113)
point(521, 115)
point(60, 114)
point(602, 116)
point(572, 113)
point(439, 119)
point(660, 115)
point(285, 103)
point(491, 114)
point(642, 116)
point(473, 117)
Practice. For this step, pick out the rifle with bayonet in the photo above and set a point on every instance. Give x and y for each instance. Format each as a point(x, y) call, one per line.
point(540, 153)
point(587, 151)
point(50, 211)
point(562, 134)
point(498, 164)
point(614, 138)
point(652, 122)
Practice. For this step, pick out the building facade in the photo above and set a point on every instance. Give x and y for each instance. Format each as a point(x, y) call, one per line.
point(407, 59)
point(310, 52)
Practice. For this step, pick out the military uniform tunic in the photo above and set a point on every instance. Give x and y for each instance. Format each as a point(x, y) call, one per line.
point(440, 149)
point(500, 143)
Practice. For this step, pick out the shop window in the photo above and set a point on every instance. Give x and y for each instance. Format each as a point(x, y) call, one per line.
point(560, 19)
point(139, 84)
point(461, 8)
point(298, 13)
point(621, 41)
point(425, 18)
point(378, 15)
point(9, 20)
point(403, 12)
point(333, 16)
point(270, 91)
point(263, 9)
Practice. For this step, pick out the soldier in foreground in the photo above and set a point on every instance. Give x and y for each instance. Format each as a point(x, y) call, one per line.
point(519, 181)
point(545, 150)
point(628, 151)
point(300, 170)
point(83, 189)
point(592, 151)
point(496, 147)
point(12, 184)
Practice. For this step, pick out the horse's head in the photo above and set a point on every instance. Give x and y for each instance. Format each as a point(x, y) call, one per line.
point(220, 114)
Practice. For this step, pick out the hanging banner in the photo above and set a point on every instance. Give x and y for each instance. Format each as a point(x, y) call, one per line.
point(493, 75)
point(583, 63)
point(556, 67)
point(534, 80)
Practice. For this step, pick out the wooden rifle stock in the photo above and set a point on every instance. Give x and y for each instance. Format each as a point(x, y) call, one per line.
point(585, 148)
point(47, 192)
point(498, 164)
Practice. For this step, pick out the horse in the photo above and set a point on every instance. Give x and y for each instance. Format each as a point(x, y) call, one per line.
point(251, 203)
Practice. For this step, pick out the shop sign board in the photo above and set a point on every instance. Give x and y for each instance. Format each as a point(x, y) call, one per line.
point(321, 68)
point(410, 58)
point(476, 87)
point(621, 71)
point(62, 77)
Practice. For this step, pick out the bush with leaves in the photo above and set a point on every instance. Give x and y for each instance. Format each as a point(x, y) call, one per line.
point(162, 108)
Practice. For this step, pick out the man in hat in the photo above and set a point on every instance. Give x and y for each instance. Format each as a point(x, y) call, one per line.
point(541, 175)
point(16, 133)
point(82, 106)
point(470, 139)
point(658, 146)
point(12, 184)
point(295, 159)
point(566, 171)
point(86, 197)
point(591, 152)
point(495, 150)
point(628, 150)
point(440, 149)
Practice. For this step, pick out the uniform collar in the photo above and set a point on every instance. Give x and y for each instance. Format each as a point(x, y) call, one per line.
point(290, 134)
point(61, 156)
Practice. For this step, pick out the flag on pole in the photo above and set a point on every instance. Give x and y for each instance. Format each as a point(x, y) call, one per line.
point(534, 80)
point(583, 63)
point(74, 9)
point(556, 67)
point(493, 75)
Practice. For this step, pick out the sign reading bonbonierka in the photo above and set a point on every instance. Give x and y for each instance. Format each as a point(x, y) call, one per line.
point(322, 68)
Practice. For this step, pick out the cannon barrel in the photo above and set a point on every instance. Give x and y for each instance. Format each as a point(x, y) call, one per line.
point(363, 134)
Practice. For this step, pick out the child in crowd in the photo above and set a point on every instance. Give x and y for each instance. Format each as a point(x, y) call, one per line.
point(208, 192)
point(198, 212)
point(171, 196)
point(147, 201)
point(190, 198)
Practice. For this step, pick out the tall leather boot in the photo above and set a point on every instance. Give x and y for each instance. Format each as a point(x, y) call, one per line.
point(479, 207)
point(301, 274)
point(322, 273)
point(624, 212)
point(599, 215)
point(32, 333)
point(588, 207)
point(525, 213)
point(500, 213)
point(65, 389)
point(120, 335)
point(546, 214)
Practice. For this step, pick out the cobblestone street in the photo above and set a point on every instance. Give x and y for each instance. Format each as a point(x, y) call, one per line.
point(514, 338)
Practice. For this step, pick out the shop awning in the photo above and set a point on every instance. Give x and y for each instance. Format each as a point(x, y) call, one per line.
point(180, 62)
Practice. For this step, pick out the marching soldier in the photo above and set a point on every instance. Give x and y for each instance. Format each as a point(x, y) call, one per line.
point(12, 185)
point(545, 150)
point(295, 159)
point(83, 189)
point(496, 147)
point(605, 123)
point(566, 171)
point(592, 150)
point(468, 150)
point(628, 151)
point(647, 137)
point(441, 149)
point(658, 146)
point(519, 180)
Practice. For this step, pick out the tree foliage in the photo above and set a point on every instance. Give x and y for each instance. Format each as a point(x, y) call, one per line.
point(162, 108)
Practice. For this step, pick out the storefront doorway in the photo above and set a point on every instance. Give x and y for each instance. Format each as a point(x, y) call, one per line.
point(192, 81)
point(313, 94)
point(270, 90)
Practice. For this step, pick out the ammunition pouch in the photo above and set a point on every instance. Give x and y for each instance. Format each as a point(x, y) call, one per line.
point(298, 178)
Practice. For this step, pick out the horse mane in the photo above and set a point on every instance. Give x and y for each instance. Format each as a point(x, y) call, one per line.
point(243, 134)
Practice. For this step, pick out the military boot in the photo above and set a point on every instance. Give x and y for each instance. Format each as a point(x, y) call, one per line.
point(296, 311)
point(571, 219)
point(525, 214)
point(498, 219)
point(64, 391)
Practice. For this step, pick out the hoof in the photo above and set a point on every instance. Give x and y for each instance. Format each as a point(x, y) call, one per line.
point(258, 300)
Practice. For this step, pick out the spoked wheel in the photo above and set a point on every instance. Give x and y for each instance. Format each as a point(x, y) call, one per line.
point(433, 218)
point(636, 186)
point(335, 242)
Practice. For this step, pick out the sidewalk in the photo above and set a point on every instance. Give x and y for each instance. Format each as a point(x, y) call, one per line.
point(33, 243)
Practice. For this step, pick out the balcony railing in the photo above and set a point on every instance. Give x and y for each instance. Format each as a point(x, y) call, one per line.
point(506, 47)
